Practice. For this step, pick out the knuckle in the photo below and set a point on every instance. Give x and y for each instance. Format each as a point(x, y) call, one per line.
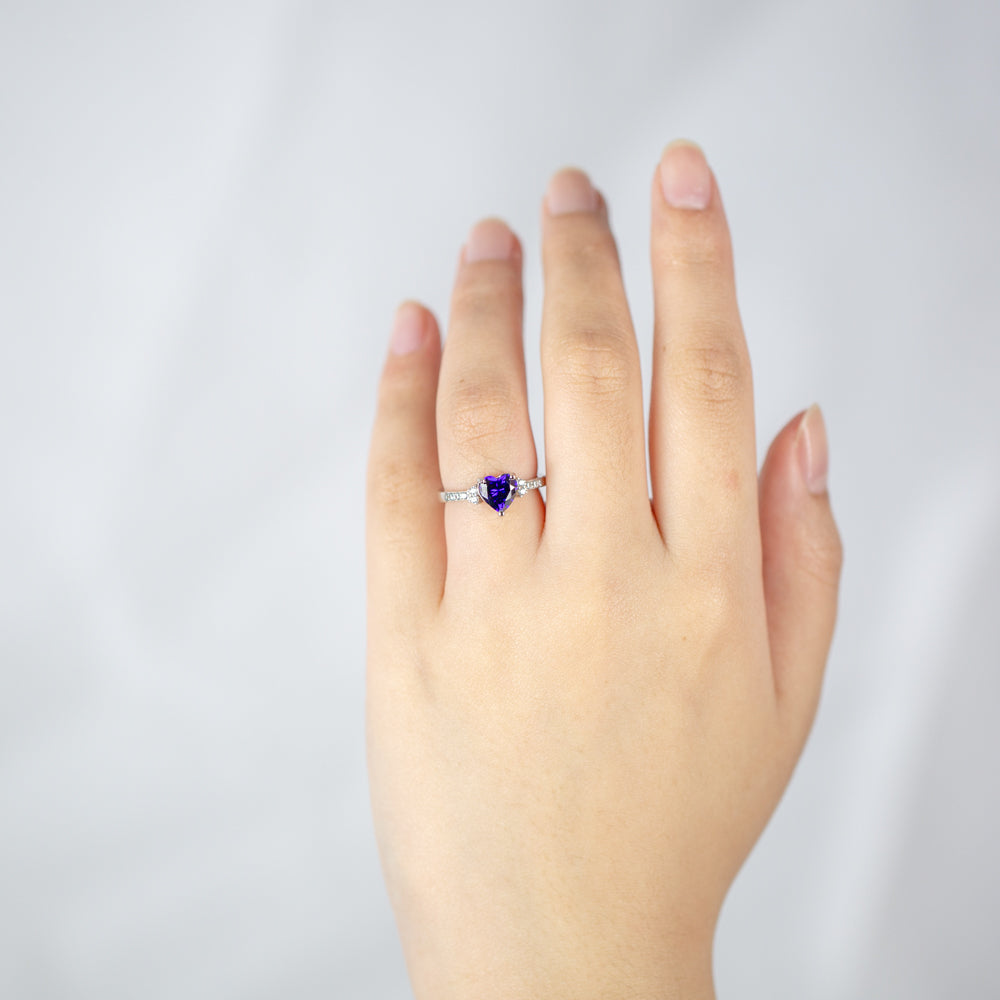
point(714, 371)
point(716, 593)
point(698, 251)
point(713, 578)
point(401, 388)
point(597, 363)
point(584, 249)
point(712, 615)
point(823, 556)
point(485, 297)
point(480, 409)
point(604, 579)
point(392, 484)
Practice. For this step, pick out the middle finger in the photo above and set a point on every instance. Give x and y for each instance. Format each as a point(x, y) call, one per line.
point(594, 424)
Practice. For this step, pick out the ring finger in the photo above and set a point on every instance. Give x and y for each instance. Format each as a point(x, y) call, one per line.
point(482, 408)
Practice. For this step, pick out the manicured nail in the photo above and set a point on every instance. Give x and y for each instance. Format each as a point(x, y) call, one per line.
point(408, 329)
point(490, 239)
point(685, 176)
point(570, 190)
point(814, 458)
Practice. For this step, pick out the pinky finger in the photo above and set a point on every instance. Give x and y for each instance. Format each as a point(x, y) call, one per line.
point(404, 522)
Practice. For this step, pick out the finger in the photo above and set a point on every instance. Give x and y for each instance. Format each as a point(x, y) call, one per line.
point(702, 452)
point(482, 407)
point(802, 558)
point(594, 427)
point(405, 526)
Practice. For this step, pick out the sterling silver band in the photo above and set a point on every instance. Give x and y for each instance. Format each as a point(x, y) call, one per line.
point(474, 494)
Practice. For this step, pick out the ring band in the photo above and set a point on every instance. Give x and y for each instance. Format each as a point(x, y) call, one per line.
point(497, 491)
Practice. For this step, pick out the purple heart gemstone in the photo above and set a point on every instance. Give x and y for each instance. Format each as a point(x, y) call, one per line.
point(498, 491)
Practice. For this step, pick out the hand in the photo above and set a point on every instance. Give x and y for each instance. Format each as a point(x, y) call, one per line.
point(582, 714)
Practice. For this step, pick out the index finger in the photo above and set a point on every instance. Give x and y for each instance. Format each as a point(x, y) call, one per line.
point(702, 447)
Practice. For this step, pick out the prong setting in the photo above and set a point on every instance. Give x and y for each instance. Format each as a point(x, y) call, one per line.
point(497, 492)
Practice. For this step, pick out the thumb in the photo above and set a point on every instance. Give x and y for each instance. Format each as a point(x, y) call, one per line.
point(802, 557)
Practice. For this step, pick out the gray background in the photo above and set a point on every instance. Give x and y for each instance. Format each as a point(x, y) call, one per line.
point(207, 215)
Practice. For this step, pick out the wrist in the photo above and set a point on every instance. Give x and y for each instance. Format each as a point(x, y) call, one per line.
point(594, 973)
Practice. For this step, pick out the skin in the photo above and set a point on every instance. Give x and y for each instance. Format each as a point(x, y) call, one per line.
point(581, 716)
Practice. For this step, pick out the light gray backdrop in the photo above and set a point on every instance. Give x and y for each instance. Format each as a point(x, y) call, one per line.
point(207, 215)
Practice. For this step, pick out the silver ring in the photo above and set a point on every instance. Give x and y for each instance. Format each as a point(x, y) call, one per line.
point(497, 491)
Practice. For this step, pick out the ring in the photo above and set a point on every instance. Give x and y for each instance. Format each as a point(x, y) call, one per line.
point(497, 491)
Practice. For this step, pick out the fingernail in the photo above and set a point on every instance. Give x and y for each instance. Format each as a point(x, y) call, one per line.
point(685, 176)
point(570, 190)
point(814, 456)
point(408, 328)
point(490, 239)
